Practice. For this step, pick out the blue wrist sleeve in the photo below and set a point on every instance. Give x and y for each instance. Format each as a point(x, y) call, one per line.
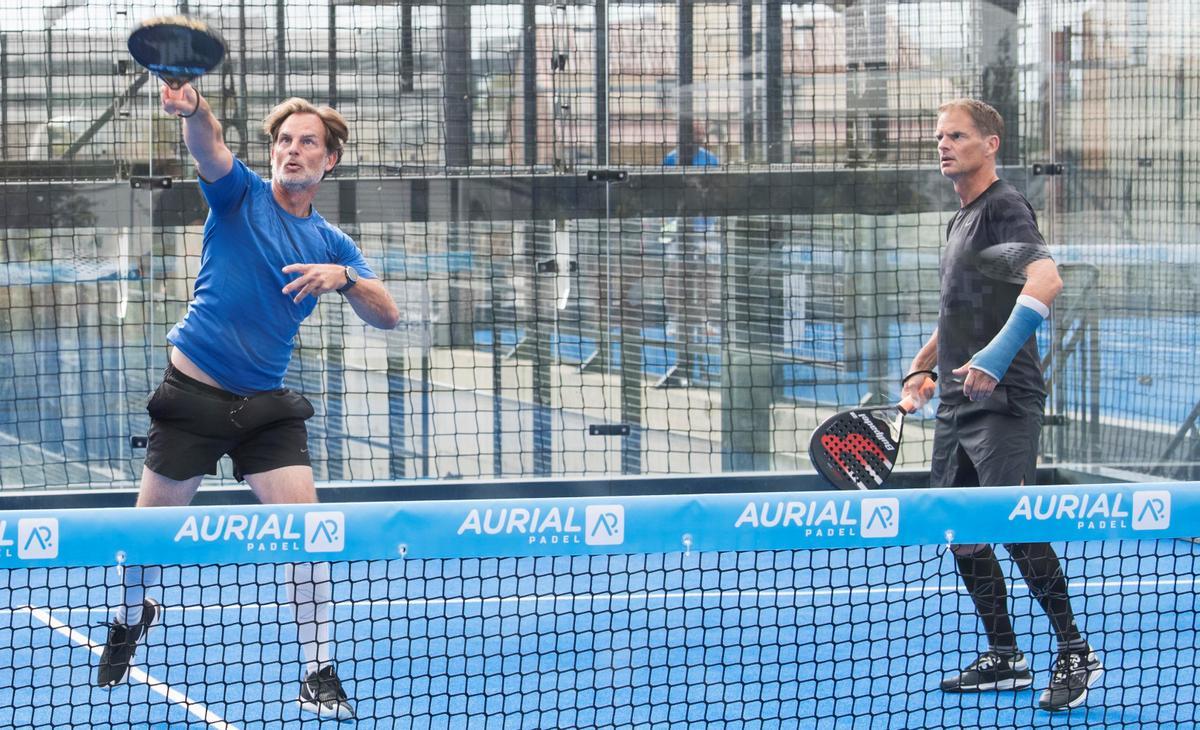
point(999, 353)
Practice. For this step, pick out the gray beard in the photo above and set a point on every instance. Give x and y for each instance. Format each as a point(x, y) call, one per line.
point(295, 185)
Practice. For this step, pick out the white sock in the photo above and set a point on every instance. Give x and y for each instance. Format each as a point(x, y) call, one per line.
point(310, 592)
point(134, 581)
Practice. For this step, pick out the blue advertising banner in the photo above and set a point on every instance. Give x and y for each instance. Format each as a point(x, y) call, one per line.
point(596, 525)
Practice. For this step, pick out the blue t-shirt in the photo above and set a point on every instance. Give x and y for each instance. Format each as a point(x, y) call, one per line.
point(700, 158)
point(240, 327)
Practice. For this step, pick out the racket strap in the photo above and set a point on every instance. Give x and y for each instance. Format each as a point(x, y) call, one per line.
point(931, 374)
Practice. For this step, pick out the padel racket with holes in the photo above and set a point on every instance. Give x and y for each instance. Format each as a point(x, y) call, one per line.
point(1008, 261)
point(857, 449)
point(176, 48)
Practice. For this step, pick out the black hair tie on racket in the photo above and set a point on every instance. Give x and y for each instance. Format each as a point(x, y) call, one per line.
point(914, 373)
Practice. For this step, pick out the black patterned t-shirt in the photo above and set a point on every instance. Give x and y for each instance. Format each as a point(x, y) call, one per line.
point(974, 306)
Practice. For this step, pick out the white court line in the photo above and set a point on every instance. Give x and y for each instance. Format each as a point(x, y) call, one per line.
point(197, 710)
point(1017, 587)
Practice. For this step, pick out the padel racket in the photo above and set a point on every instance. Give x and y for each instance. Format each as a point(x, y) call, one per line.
point(176, 48)
point(1008, 261)
point(857, 449)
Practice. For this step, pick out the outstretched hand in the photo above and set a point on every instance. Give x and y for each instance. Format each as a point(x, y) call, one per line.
point(314, 279)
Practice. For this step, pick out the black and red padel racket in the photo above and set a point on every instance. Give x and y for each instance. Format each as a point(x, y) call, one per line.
point(857, 449)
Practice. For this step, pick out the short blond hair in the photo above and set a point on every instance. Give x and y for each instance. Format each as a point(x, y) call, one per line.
point(336, 129)
point(985, 117)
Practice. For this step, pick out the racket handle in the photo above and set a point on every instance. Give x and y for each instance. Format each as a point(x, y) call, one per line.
point(906, 405)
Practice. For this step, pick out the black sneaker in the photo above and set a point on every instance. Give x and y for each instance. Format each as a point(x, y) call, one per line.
point(1070, 678)
point(321, 694)
point(991, 671)
point(121, 644)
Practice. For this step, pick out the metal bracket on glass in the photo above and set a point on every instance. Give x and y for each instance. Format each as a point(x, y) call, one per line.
point(156, 182)
point(607, 175)
point(550, 266)
point(1049, 168)
point(608, 429)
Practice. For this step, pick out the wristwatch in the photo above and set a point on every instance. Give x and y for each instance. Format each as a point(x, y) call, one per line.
point(351, 279)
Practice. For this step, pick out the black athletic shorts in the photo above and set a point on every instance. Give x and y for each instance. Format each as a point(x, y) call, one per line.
point(193, 424)
point(990, 443)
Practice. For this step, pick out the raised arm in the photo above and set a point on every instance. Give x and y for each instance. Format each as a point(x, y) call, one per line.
point(201, 131)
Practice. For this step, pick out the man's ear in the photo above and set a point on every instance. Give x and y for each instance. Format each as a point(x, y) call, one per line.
point(993, 143)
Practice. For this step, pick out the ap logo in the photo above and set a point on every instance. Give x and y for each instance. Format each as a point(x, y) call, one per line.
point(324, 532)
point(880, 517)
point(604, 524)
point(1151, 510)
point(37, 538)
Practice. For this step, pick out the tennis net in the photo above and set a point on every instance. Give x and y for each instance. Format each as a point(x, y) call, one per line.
point(764, 610)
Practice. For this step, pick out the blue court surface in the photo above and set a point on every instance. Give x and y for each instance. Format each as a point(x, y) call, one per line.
point(840, 638)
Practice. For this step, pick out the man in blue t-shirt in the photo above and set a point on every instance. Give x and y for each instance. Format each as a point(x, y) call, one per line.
point(701, 157)
point(267, 257)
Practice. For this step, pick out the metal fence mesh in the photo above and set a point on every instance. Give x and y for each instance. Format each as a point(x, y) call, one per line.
point(627, 237)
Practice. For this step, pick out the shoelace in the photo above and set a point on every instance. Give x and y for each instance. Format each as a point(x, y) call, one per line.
point(122, 638)
point(987, 660)
point(324, 685)
point(1066, 665)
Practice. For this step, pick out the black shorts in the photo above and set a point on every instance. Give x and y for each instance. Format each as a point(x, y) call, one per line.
point(990, 443)
point(193, 424)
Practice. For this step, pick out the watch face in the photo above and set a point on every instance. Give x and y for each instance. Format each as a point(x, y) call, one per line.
point(351, 274)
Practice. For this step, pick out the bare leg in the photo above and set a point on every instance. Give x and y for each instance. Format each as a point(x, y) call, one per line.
point(156, 491)
point(308, 584)
point(285, 485)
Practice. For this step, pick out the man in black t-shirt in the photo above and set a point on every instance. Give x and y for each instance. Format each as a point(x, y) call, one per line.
point(997, 284)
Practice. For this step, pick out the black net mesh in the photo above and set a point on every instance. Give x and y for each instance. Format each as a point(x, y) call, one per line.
point(819, 638)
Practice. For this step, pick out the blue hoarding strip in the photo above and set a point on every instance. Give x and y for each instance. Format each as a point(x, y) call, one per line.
point(596, 525)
